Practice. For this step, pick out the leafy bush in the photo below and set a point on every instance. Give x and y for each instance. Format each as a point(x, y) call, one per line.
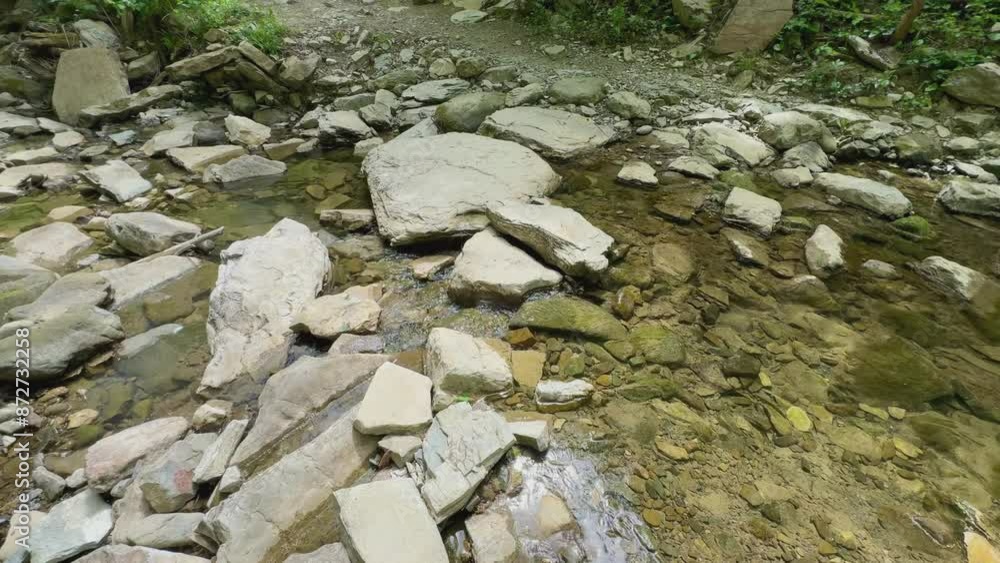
point(601, 21)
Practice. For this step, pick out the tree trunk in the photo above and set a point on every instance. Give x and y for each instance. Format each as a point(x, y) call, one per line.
point(905, 24)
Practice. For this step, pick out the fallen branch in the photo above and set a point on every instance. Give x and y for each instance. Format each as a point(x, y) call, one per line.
point(179, 248)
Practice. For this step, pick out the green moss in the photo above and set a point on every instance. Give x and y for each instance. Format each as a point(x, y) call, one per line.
point(914, 225)
point(897, 372)
point(915, 326)
point(648, 389)
point(86, 435)
point(658, 344)
point(738, 179)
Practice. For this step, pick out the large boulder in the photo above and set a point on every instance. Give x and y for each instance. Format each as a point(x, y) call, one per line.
point(953, 278)
point(751, 25)
point(751, 211)
point(491, 269)
point(876, 197)
point(397, 401)
point(16, 81)
point(87, 77)
point(263, 283)
point(113, 457)
point(824, 252)
point(144, 233)
point(569, 315)
point(979, 85)
point(466, 112)
point(392, 508)
point(257, 522)
point(63, 342)
point(441, 186)
point(560, 235)
point(53, 246)
point(460, 364)
point(787, 129)
point(300, 390)
point(118, 180)
point(972, 198)
point(68, 292)
point(578, 90)
point(724, 147)
point(550, 132)
point(74, 526)
point(136, 280)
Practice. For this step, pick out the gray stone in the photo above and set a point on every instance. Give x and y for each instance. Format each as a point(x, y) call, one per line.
point(197, 159)
point(880, 269)
point(145, 67)
point(129, 554)
point(694, 15)
point(491, 269)
point(628, 105)
point(128, 106)
point(74, 526)
point(638, 173)
point(166, 480)
point(694, 166)
point(348, 220)
point(460, 364)
point(392, 508)
point(216, 456)
point(194, 67)
point(436, 91)
point(329, 316)
point(971, 198)
point(87, 77)
point(440, 186)
point(33, 156)
point(332, 553)
point(809, 155)
point(165, 531)
point(878, 198)
point(112, 457)
point(144, 233)
point(118, 180)
point(525, 95)
point(138, 279)
point(535, 434)
point(751, 211)
point(53, 246)
point(163, 141)
point(977, 85)
point(724, 147)
point(21, 282)
point(401, 448)
point(552, 133)
point(788, 129)
point(70, 291)
point(869, 54)
point(398, 401)
point(247, 132)
point(466, 112)
point(343, 128)
point(578, 90)
point(134, 345)
point(792, 177)
point(492, 537)
point(52, 485)
point(747, 249)
point(953, 278)
point(557, 396)
point(245, 171)
point(824, 252)
point(296, 71)
point(468, 16)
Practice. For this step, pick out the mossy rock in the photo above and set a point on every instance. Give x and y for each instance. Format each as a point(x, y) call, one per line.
point(895, 371)
point(649, 388)
point(483, 324)
point(86, 435)
point(915, 226)
point(738, 179)
point(659, 345)
point(465, 113)
point(569, 315)
point(915, 326)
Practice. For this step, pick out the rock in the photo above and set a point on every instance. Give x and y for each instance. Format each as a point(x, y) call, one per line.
point(747, 249)
point(138, 279)
point(17, 81)
point(21, 282)
point(163, 141)
point(746, 209)
point(525, 95)
point(253, 524)
point(792, 177)
point(460, 364)
point(536, 434)
point(694, 15)
point(247, 132)
point(245, 171)
point(330, 316)
point(249, 337)
point(211, 413)
point(87, 77)
point(67, 139)
point(165, 531)
point(144, 233)
point(283, 150)
point(35, 156)
point(298, 391)
point(569, 315)
point(918, 148)
point(362, 148)
point(694, 166)
point(553, 516)
point(461, 446)
point(109, 460)
point(118, 180)
point(953, 278)
point(752, 25)
point(638, 173)
point(400, 448)
point(552, 133)
point(809, 155)
point(878, 198)
point(628, 105)
point(215, 458)
point(296, 71)
point(128, 106)
point(398, 401)
point(468, 16)
point(560, 235)
point(331, 553)
point(440, 186)
point(787, 129)
point(391, 508)
point(55, 171)
point(491, 269)
point(68, 292)
point(338, 128)
point(63, 342)
point(52, 246)
point(197, 159)
point(971, 198)
point(492, 537)
point(426, 267)
point(194, 67)
point(128, 554)
point(72, 527)
point(52, 485)
point(436, 91)
point(466, 112)
point(578, 90)
point(145, 67)
point(880, 269)
point(869, 54)
point(724, 147)
point(979, 549)
point(136, 344)
point(824, 252)
point(977, 85)
point(558, 396)
point(166, 480)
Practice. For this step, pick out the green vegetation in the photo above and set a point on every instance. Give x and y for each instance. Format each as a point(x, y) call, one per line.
point(180, 25)
point(604, 22)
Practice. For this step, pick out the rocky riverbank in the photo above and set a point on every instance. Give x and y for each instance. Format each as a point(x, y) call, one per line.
point(463, 311)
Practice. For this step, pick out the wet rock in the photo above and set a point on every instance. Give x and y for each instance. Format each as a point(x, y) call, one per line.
point(138, 279)
point(353, 310)
point(977, 85)
point(824, 252)
point(880, 269)
point(578, 90)
point(254, 523)
point(426, 267)
point(21, 282)
point(53, 246)
point(64, 342)
point(144, 233)
point(74, 526)
point(68, 292)
point(461, 446)
point(535, 434)
point(245, 171)
point(67, 139)
point(197, 159)
point(638, 173)
point(128, 106)
point(134, 345)
point(440, 186)
point(436, 91)
point(491, 269)
point(553, 516)
point(362, 148)
point(560, 235)
point(52, 485)
point(250, 337)
point(628, 105)
point(118, 180)
point(746, 209)
point(460, 364)
point(165, 531)
point(466, 112)
point(18, 82)
point(338, 128)
point(166, 481)
point(658, 345)
point(878, 198)
point(569, 315)
point(971, 198)
point(748, 250)
point(918, 148)
point(34, 156)
point(215, 457)
point(398, 401)
point(110, 459)
point(953, 278)
point(247, 132)
point(693, 166)
point(298, 391)
point(368, 513)
point(492, 537)
point(552, 133)
point(752, 25)
point(87, 77)
point(724, 147)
